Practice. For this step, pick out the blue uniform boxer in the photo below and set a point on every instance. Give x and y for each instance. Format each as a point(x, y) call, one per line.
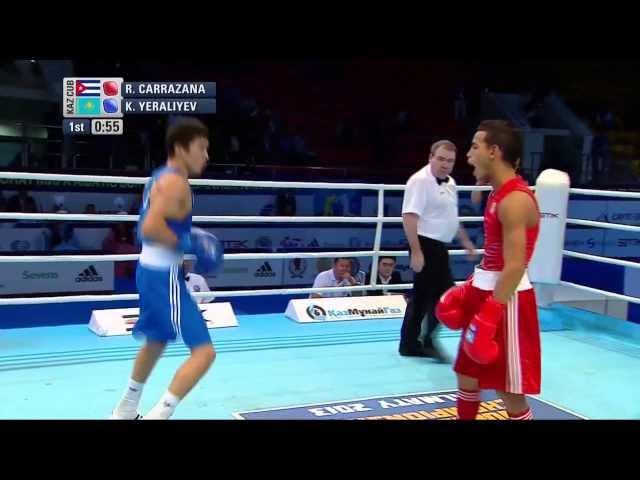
point(167, 310)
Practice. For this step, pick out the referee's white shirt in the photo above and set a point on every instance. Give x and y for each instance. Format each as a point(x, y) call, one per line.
point(436, 205)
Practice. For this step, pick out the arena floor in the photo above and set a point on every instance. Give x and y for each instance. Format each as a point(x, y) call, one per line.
point(271, 362)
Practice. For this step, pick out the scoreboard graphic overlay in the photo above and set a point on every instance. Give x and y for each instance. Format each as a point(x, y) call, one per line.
point(97, 106)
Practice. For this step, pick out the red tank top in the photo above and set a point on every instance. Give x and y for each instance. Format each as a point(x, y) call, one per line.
point(493, 259)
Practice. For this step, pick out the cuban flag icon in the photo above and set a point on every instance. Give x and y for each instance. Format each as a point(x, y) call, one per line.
point(86, 88)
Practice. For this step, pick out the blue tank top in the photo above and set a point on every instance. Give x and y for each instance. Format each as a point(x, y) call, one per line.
point(179, 227)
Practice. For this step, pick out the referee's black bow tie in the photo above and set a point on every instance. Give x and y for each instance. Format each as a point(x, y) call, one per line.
point(442, 180)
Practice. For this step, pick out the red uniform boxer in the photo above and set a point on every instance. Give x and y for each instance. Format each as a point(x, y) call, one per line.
point(500, 344)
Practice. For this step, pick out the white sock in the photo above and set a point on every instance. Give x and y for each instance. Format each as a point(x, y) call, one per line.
point(128, 405)
point(164, 408)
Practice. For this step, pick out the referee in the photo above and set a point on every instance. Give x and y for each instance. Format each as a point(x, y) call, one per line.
point(430, 221)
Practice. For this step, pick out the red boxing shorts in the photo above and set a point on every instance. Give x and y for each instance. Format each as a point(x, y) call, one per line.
point(518, 367)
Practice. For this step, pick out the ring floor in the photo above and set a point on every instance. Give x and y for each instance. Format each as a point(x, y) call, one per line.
point(590, 365)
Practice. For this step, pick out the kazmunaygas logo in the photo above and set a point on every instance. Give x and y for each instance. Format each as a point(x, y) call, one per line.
point(316, 312)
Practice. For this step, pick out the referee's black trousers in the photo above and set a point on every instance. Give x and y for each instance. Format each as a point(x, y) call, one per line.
point(428, 285)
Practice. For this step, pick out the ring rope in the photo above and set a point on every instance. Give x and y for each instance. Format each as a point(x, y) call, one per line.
point(379, 220)
point(54, 177)
point(604, 193)
point(230, 256)
point(219, 293)
point(598, 258)
point(617, 296)
point(87, 217)
point(612, 226)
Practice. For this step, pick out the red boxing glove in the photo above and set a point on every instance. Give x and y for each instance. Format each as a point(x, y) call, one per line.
point(479, 341)
point(455, 306)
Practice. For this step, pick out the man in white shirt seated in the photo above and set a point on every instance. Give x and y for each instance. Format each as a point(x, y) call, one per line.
point(338, 276)
point(195, 282)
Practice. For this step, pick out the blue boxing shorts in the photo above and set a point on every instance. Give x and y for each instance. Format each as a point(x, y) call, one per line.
point(167, 310)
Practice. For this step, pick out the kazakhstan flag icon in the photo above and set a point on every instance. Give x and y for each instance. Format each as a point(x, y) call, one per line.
point(88, 106)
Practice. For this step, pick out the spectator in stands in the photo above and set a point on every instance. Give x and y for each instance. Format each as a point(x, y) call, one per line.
point(387, 275)
point(120, 241)
point(22, 202)
point(267, 130)
point(134, 209)
point(31, 206)
point(286, 204)
point(118, 203)
point(460, 106)
point(234, 149)
point(333, 205)
point(338, 276)
point(61, 238)
point(58, 204)
point(354, 204)
point(534, 108)
point(254, 135)
point(600, 155)
point(53, 236)
point(195, 282)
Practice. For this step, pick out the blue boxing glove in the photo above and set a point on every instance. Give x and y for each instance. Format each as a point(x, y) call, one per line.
point(206, 247)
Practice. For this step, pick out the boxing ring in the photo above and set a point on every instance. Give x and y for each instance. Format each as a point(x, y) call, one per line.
point(270, 363)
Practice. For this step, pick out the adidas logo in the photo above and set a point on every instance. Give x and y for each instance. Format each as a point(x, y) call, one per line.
point(89, 274)
point(314, 244)
point(265, 271)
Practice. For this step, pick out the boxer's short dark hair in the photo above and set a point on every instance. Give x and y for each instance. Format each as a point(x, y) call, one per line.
point(183, 132)
point(501, 134)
